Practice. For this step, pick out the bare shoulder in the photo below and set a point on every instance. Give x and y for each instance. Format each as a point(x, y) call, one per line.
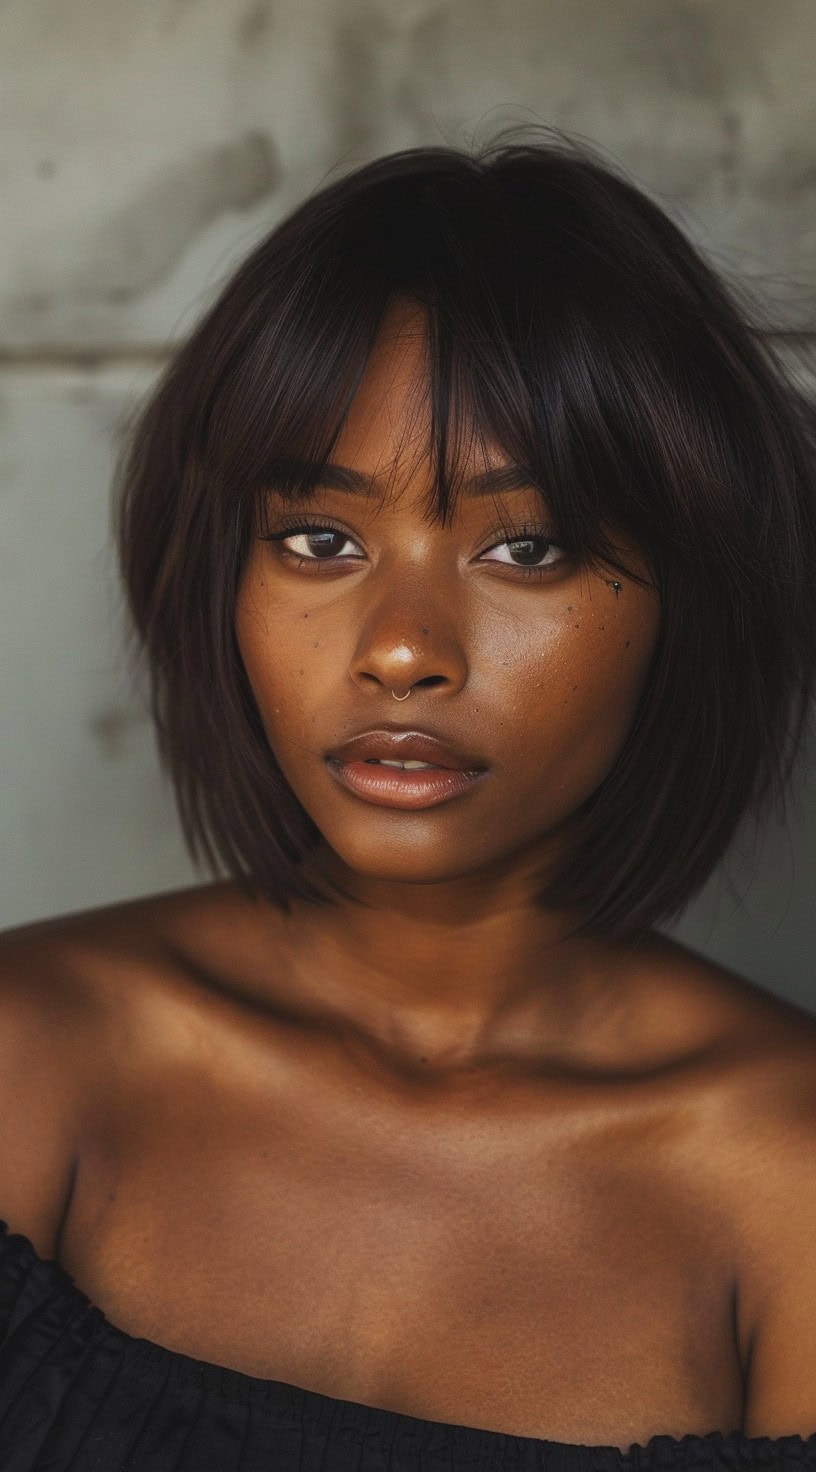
point(102, 959)
point(749, 1088)
point(750, 1031)
point(78, 993)
point(744, 1057)
point(754, 1143)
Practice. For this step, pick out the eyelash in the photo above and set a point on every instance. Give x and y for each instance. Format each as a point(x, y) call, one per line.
point(295, 527)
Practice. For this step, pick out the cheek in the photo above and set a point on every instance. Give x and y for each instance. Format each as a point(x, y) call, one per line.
point(578, 702)
point(266, 657)
point(280, 654)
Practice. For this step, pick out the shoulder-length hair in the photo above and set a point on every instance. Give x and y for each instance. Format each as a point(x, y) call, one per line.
point(574, 324)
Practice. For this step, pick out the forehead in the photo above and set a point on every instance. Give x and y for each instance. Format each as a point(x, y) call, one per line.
point(387, 432)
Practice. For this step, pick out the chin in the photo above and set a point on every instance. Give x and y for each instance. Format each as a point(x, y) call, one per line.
point(403, 866)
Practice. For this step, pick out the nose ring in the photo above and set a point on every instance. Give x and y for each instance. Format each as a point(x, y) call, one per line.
point(401, 697)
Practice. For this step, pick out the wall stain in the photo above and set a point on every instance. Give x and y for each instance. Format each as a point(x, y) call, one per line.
point(383, 60)
point(139, 245)
point(357, 101)
point(109, 730)
point(731, 158)
point(678, 41)
point(254, 26)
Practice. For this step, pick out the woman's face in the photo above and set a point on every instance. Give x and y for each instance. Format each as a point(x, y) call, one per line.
point(537, 675)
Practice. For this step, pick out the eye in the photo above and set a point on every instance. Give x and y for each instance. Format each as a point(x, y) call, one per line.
point(319, 542)
point(529, 550)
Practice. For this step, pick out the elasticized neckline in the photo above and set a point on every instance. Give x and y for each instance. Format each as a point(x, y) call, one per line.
point(60, 1298)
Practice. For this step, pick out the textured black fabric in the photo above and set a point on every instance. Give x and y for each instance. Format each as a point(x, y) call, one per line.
point(78, 1394)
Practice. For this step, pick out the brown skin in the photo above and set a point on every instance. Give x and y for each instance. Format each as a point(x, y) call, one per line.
point(451, 960)
point(427, 1155)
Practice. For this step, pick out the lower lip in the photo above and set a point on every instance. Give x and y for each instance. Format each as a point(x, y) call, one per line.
point(391, 787)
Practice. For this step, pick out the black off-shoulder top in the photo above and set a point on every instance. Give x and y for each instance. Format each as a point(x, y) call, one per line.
point(78, 1394)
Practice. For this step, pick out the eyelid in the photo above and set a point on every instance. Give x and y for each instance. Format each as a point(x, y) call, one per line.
point(498, 534)
point(289, 526)
point(293, 526)
point(504, 533)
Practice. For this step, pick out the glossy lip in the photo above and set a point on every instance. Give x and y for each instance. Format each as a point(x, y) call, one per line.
point(453, 771)
point(400, 743)
point(412, 790)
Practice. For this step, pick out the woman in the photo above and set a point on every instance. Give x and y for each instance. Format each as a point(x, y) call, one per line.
point(410, 1141)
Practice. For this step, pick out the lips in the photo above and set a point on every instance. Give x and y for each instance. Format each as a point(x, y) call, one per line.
point(393, 744)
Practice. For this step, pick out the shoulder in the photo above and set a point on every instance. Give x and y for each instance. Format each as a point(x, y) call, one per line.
point(753, 1088)
point(771, 1174)
point(78, 1003)
point(753, 1139)
point(739, 1064)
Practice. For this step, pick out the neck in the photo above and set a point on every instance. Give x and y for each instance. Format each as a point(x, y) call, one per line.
point(452, 973)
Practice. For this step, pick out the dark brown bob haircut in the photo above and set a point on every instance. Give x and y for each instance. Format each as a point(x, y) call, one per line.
point(570, 321)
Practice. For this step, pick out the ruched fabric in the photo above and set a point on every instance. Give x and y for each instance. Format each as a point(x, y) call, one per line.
point(78, 1394)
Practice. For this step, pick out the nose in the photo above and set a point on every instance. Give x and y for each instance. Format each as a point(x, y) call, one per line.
point(401, 651)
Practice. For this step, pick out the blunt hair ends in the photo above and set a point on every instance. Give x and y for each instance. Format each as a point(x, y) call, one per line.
point(570, 321)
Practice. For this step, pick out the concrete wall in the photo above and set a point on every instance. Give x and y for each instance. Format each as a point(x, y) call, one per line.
point(144, 147)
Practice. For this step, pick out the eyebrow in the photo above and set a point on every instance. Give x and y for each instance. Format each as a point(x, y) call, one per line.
point(331, 476)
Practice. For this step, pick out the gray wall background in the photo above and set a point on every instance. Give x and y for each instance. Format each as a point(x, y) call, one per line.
point(144, 147)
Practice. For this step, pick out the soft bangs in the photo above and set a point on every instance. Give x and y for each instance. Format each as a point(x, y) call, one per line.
point(544, 342)
point(471, 413)
point(275, 417)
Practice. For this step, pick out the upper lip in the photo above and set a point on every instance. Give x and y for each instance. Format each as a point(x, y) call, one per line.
point(395, 743)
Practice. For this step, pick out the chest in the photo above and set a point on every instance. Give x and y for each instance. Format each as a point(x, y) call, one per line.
point(479, 1271)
